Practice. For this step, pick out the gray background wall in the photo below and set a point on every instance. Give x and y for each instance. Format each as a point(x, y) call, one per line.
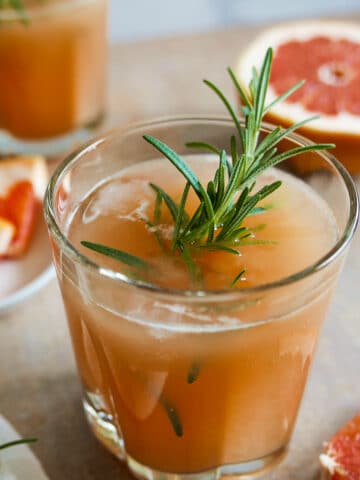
point(139, 19)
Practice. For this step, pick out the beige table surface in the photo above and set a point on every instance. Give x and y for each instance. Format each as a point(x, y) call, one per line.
point(39, 390)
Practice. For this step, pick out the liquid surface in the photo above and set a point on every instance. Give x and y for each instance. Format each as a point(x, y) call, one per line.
point(296, 230)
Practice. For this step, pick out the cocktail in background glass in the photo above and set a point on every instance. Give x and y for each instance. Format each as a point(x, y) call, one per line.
point(177, 381)
point(53, 60)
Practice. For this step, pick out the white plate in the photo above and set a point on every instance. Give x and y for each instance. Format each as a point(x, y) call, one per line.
point(19, 279)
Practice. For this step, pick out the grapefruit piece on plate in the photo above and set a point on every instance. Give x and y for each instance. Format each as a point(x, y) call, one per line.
point(326, 54)
point(22, 185)
point(341, 460)
point(22, 208)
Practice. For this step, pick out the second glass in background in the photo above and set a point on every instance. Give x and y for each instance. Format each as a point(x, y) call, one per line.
point(53, 64)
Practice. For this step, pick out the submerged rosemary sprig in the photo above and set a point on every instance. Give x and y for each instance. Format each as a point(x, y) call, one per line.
point(230, 197)
point(173, 417)
point(194, 372)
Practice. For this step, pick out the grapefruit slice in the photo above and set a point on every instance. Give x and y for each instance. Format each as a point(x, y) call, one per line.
point(23, 180)
point(22, 208)
point(341, 460)
point(326, 54)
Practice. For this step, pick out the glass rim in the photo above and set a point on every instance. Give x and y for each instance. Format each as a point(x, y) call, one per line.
point(228, 294)
point(42, 9)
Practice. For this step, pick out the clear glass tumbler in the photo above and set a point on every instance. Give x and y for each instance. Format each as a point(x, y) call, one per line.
point(52, 83)
point(139, 347)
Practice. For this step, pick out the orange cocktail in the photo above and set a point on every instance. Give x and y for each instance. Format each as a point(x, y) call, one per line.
point(52, 78)
point(189, 381)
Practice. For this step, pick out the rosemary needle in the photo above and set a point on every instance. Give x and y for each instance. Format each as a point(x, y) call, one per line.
point(119, 255)
point(173, 417)
point(17, 442)
point(193, 373)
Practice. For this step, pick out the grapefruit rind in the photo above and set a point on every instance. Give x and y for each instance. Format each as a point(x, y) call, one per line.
point(343, 123)
point(331, 467)
point(32, 168)
point(7, 233)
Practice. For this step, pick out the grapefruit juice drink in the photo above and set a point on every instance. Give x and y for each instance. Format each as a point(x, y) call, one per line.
point(53, 67)
point(225, 383)
point(184, 379)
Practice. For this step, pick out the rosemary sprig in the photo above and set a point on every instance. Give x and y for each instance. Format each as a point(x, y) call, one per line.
point(173, 416)
point(17, 442)
point(230, 196)
point(19, 7)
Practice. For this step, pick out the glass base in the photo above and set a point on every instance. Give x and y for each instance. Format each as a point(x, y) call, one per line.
point(258, 469)
point(49, 147)
point(105, 431)
point(102, 426)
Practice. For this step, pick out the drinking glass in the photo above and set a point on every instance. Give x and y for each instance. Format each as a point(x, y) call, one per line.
point(52, 82)
point(139, 348)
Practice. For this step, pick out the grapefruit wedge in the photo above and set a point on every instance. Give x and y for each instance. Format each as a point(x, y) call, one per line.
point(341, 460)
point(22, 210)
point(326, 54)
point(23, 181)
